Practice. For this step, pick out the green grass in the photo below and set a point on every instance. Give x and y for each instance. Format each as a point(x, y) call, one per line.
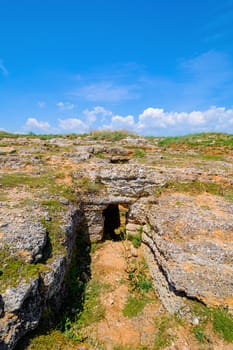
point(229, 196)
point(139, 279)
point(163, 337)
point(56, 234)
point(31, 135)
point(129, 347)
point(3, 196)
point(139, 286)
point(93, 310)
point(221, 319)
point(223, 324)
point(19, 179)
point(47, 182)
point(139, 153)
point(110, 135)
point(55, 340)
point(135, 305)
point(211, 157)
point(53, 205)
point(200, 334)
point(136, 239)
point(197, 187)
point(201, 311)
point(53, 226)
point(95, 246)
point(14, 270)
point(199, 140)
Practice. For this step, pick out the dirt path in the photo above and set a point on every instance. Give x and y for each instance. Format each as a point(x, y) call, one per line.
point(152, 328)
point(110, 265)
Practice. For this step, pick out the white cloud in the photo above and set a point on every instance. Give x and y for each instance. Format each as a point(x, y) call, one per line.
point(73, 125)
point(119, 122)
point(3, 68)
point(156, 121)
point(155, 117)
point(65, 106)
point(196, 118)
point(91, 115)
point(32, 124)
point(152, 121)
point(107, 92)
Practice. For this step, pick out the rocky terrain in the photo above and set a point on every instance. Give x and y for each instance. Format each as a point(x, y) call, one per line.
point(61, 195)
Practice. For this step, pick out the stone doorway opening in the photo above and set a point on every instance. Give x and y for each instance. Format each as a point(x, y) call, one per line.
point(114, 222)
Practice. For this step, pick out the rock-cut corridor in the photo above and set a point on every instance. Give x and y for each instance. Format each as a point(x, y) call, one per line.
point(56, 191)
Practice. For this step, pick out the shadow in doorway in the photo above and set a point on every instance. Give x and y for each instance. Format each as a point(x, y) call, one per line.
point(114, 222)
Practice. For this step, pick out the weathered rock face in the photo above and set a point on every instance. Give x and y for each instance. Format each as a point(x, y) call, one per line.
point(44, 204)
point(14, 225)
point(23, 306)
point(23, 301)
point(123, 184)
point(190, 249)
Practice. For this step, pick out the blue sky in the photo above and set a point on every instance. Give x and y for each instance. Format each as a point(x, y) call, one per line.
point(155, 67)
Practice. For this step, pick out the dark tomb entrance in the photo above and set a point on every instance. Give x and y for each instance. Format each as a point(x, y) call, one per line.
point(111, 222)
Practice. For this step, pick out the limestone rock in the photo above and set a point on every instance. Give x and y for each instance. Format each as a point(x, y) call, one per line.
point(22, 312)
point(187, 238)
point(192, 249)
point(22, 235)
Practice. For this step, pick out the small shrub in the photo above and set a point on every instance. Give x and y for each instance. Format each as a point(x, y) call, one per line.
point(140, 282)
point(136, 239)
point(140, 285)
point(139, 153)
point(70, 333)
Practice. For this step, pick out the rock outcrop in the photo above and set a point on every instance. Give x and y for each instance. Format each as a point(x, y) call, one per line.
point(54, 190)
point(33, 284)
point(191, 250)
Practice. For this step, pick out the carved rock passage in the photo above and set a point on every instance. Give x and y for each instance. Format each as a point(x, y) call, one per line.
point(23, 304)
point(123, 184)
point(188, 243)
point(188, 239)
